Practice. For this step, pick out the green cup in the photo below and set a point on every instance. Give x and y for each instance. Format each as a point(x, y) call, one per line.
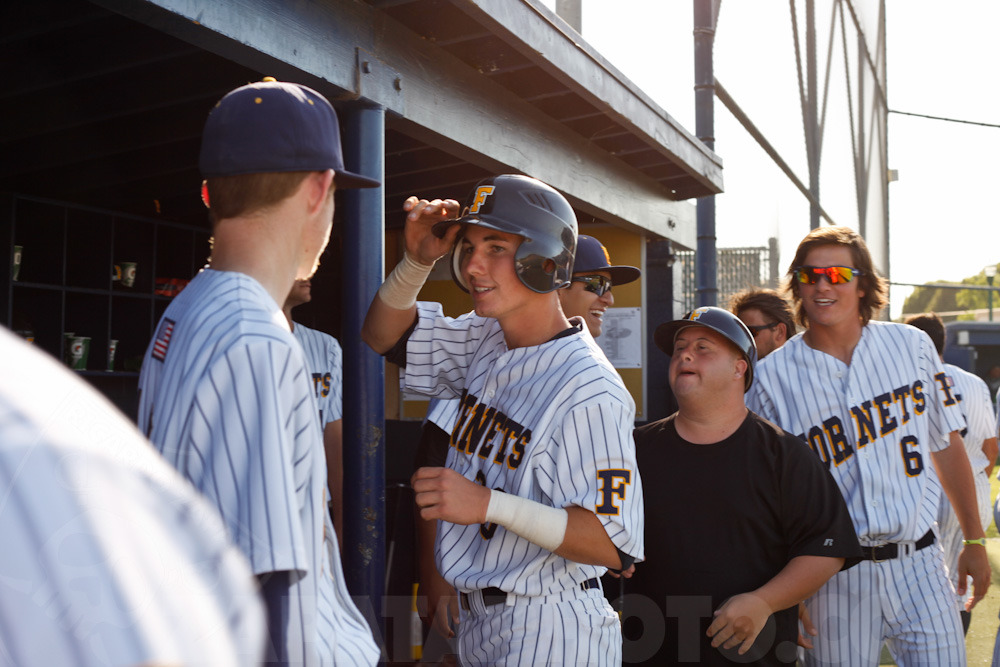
point(79, 350)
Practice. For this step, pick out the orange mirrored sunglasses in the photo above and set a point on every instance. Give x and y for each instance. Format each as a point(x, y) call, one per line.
point(835, 275)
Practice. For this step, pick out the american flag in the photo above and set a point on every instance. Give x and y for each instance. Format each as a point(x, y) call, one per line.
point(162, 340)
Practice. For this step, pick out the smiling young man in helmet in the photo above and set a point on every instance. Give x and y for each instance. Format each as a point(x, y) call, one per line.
point(588, 297)
point(763, 525)
point(540, 495)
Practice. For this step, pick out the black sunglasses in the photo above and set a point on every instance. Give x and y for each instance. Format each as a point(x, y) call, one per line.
point(596, 284)
point(757, 328)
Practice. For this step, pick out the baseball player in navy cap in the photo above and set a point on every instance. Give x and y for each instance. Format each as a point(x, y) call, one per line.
point(540, 494)
point(589, 292)
point(225, 393)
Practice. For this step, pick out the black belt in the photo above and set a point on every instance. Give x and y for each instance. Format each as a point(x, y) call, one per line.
point(493, 595)
point(890, 551)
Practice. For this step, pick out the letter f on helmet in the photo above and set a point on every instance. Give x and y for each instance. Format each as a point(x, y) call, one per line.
point(482, 192)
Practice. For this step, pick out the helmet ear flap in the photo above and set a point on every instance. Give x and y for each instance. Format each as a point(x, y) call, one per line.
point(456, 265)
point(545, 220)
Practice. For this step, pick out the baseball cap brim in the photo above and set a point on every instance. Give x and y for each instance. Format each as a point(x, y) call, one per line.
point(666, 332)
point(441, 228)
point(620, 275)
point(347, 180)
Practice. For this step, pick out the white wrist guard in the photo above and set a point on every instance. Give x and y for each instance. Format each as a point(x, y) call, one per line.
point(400, 289)
point(541, 524)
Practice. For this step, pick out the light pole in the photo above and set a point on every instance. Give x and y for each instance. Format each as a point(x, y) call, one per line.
point(991, 272)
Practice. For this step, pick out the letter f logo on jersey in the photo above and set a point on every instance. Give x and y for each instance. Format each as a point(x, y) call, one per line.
point(614, 482)
point(482, 192)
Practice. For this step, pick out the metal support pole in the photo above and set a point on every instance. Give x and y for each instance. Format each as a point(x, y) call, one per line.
point(812, 122)
point(660, 307)
point(364, 371)
point(989, 297)
point(705, 272)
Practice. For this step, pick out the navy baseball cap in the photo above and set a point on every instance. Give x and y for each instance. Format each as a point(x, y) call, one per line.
point(274, 126)
point(591, 257)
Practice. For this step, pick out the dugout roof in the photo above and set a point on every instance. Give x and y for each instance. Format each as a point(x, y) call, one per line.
point(104, 101)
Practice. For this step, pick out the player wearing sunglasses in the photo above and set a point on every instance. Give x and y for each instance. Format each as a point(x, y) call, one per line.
point(768, 316)
point(873, 402)
point(589, 293)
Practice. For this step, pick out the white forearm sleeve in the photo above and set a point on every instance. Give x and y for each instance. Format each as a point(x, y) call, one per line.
point(541, 524)
point(400, 289)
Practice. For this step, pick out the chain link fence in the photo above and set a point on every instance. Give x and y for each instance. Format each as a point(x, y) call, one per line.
point(738, 268)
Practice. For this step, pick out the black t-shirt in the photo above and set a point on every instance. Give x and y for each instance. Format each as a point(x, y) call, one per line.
point(724, 519)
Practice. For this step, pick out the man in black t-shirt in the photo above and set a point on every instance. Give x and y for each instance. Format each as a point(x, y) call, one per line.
point(742, 523)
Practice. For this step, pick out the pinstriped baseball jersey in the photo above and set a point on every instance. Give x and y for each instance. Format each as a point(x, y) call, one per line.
point(552, 423)
point(108, 556)
point(444, 412)
point(325, 364)
point(873, 422)
point(973, 397)
point(230, 405)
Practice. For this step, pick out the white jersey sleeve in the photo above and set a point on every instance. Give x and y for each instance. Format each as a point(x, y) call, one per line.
point(974, 398)
point(441, 350)
point(590, 462)
point(108, 556)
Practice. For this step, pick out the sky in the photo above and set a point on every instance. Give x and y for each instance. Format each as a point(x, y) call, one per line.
point(943, 219)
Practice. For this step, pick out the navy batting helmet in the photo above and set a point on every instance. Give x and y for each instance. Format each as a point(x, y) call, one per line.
point(531, 209)
point(720, 321)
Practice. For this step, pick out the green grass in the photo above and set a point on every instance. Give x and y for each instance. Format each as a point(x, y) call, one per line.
point(983, 629)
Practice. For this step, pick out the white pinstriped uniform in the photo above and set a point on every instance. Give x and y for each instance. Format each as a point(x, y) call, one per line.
point(552, 423)
point(108, 556)
point(874, 423)
point(973, 397)
point(325, 365)
point(231, 407)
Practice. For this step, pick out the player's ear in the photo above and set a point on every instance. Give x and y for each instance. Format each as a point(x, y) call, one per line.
point(741, 368)
point(317, 188)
